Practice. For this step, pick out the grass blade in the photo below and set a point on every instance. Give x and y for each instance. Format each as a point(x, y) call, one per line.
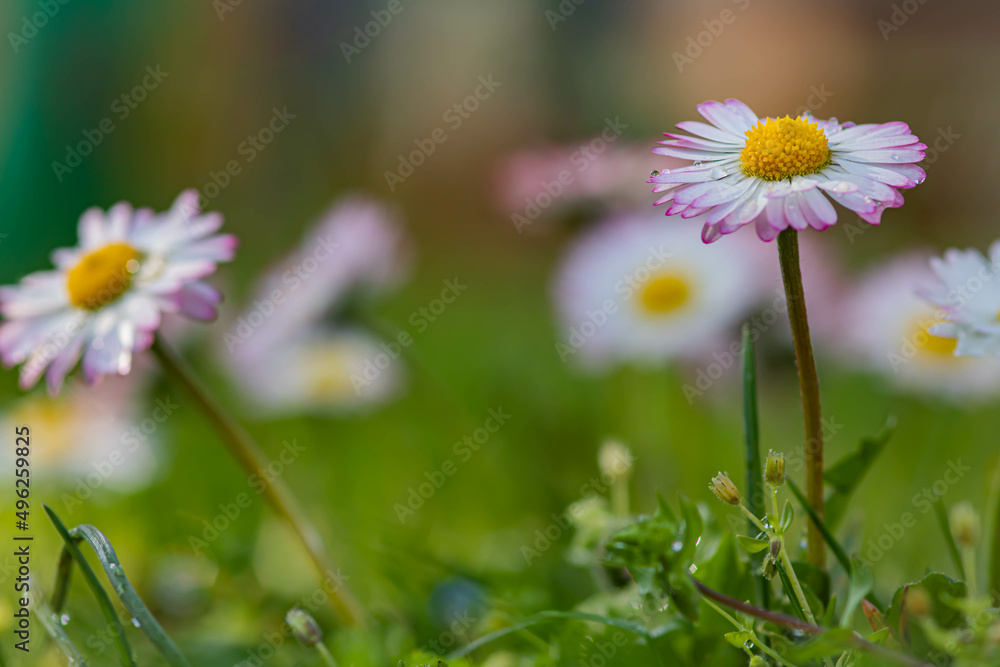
point(141, 616)
point(838, 551)
point(942, 518)
point(754, 468)
point(846, 474)
point(127, 594)
point(545, 617)
point(50, 622)
point(116, 629)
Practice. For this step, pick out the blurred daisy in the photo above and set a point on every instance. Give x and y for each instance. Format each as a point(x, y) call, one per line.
point(779, 172)
point(539, 183)
point(91, 438)
point(323, 370)
point(900, 335)
point(105, 298)
point(967, 291)
point(289, 351)
point(633, 288)
point(357, 249)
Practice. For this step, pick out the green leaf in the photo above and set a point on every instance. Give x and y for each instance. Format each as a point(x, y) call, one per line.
point(50, 622)
point(751, 544)
point(793, 601)
point(831, 541)
point(860, 586)
point(739, 638)
point(548, 617)
point(756, 493)
point(116, 630)
point(941, 590)
point(787, 516)
point(141, 616)
point(827, 644)
point(941, 513)
point(845, 475)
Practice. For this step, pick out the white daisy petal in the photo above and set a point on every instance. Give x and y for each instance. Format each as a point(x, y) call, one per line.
point(742, 163)
point(104, 301)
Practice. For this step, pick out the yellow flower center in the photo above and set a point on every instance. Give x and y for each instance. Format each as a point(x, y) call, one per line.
point(937, 346)
point(664, 293)
point(102, 276)
point(329, 372)
point(780, 148)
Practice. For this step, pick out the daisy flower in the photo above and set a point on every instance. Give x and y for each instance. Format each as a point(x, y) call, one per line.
point(632, 289)
point(321, 370)
point(104, 300)
point(285, 354)
point(90, 438)
point(901, 336)
point(967, 291)
point(781, 173)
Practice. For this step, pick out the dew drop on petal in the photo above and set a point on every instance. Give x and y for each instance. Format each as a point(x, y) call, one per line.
point(654, 173)
point(718, 172)
point(894, 156)
point(697, 163)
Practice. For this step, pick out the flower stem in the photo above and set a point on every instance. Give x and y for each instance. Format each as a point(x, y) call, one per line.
point(791, 273)
point(251, 459)
point(753, 635)
point(328, 658)
point(796, 586)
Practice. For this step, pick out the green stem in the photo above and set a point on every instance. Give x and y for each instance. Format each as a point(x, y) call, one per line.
point(791, 273)
point(969, 562)
point(251, 459)
point(796, 586)
point(754, 519)
point(327, 656)
point(619, 496)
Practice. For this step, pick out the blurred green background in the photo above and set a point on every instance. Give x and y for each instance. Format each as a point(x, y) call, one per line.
point(228, 64)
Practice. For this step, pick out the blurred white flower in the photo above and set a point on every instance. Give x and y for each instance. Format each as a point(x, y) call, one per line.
point(283, 354)
point(968, 293)
point(91, 437)
point(322, 370)
point(637, 288)
point(888, 327)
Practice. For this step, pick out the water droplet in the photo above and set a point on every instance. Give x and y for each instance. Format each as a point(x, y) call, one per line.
point(113, 566)
point(654, 173)
point(677, 545)
point(894, 157)
point(919, 181)
point(718, 172)
point(136, 623)
point(697, 163)
point(64, 619)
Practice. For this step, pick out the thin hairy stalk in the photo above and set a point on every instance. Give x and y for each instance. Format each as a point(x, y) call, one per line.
point(856, 641)
point(753, 635)
point(250, 457)
point(791, 273)
point(796, 586)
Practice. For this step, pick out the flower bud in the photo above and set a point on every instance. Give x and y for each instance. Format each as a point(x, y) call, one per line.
point(770, 568)
point(774, 469)
point(725, 490)
point(304, 627)
point(774, 548)
point(615, 460)
point(964, 524)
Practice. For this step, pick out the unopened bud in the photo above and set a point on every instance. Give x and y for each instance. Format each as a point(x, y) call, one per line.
point(770, 568)
point(615, 460)
point(774, 548)
point(304, 627)
point(965, 524)
point(725, 490)
point(774, 469)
